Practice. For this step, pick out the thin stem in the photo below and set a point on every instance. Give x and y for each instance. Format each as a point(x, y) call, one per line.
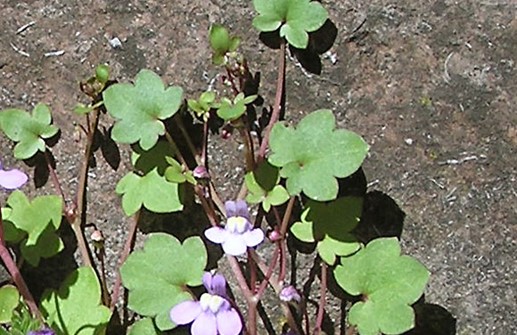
point(175, 149)
point(269, 273)
point(283, 241)
point(250, 154)
point(53, 176)
point(241, 280)
point(278, 102)
point(252, 317)
point(80, 216)
point(323, 291)
point(10, 264)
point(209, 210)
point(186, 135)
point(125, 253)
point(104, 283)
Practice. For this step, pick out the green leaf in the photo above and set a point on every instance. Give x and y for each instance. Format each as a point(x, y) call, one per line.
point(76, 307)
point(295, 18)
point(263, 186)
point(30, 131)
point(221, 43)
point(139, 109)
point(9, 298)
point(232, 110)
point(144, 326)
point(154, 158)
point(152, 191)
point(48, 245)
point(157, 276)
point(330, 224)
point(11, 233)
point(219, 38)
point(388, 282)
point(34, 217)
point(314, 154)
point(329, 249)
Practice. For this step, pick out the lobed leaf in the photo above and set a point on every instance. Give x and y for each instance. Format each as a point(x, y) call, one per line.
point(157, 276)
point(139, 109)
point(314, 153)
point(76, 307)
point(152, 191)
point(34, 224)
point(29, 130)
point(262, 185)
point(388, 282)
point(330, 225)
point(295, 18)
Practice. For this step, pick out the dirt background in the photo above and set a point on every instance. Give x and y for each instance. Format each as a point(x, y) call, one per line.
point(431, 86)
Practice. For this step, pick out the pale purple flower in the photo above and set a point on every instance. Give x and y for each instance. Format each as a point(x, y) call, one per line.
point(212, 314)
point(12, 179)
point(238, 234)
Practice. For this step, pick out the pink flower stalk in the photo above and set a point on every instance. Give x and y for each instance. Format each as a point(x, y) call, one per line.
point(212, 314)
point(12, 179)
point(238, 234)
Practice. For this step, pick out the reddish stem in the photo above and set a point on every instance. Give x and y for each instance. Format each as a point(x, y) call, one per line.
point(125, 253)
point(278, 102)
point(321, 307)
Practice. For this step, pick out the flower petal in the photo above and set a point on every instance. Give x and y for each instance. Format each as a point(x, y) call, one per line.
point(12, 179)
point(241, 209)
point(231, 208)
point(235, 245)
point(216, 234)
point(253, 237)
point(185, 312)
point(205, 324)
point(218, 285)
point(229, 322)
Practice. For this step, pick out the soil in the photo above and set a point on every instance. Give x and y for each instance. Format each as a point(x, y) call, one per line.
point(431, 86)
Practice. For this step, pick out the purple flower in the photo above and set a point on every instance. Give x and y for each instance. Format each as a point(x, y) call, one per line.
point(44, 331)
point(238, 233)
point(12, 179)
point(212, 314)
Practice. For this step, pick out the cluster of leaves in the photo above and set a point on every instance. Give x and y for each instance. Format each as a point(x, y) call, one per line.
point(304, 161)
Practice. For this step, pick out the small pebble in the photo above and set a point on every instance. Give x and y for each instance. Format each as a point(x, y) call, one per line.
point(115, 43)
point(409, 141)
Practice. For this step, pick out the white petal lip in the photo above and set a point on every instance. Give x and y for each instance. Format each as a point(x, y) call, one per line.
point(216, 234)
point(235, 245)
point(253, 237)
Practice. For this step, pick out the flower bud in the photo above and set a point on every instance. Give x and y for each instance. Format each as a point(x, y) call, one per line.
point(200, 172)
point(290, 294)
